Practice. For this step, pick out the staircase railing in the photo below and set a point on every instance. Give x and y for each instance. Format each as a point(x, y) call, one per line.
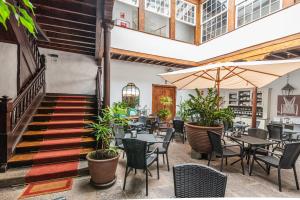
point(99, 90)
point(14, 114)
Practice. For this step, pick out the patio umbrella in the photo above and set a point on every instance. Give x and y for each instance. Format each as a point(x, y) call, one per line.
point(232, 75)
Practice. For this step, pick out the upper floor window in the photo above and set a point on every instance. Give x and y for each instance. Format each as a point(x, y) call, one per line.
point(186, 12)
point(214, 19)
point(251, 10)
point(131, 2)
point(161, 7)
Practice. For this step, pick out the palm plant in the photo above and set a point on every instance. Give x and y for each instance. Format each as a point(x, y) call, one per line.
point(205, 109)
point(19, 12)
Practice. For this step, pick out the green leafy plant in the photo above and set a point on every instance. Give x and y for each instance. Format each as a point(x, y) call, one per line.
point(164, 113)
point(20, 13)
point(102, 130)
point(184, 110)
point(205, 109)
point(119, 111)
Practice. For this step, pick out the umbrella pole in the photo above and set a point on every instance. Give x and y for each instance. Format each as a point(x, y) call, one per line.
point(254, 107)
point(218, 84)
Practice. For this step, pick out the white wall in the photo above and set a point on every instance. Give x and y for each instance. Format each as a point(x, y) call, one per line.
point(71, 73)
point(184, 32)
point(153, 22)
point(131, 13)
point(143, 76)
point(275, 26)
point(8, 70)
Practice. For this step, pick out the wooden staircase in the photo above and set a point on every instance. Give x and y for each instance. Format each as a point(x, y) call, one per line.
point(59, 135)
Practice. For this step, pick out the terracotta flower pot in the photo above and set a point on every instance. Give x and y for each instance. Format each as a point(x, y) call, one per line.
point(198, 138)
point(103, 172)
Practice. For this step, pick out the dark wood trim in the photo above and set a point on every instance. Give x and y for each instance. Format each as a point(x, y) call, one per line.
point(197, 39)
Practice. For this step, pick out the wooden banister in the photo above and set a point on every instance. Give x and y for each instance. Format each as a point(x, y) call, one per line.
point(99, 90)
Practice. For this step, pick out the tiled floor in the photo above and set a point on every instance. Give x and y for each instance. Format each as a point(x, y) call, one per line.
point(238, 185)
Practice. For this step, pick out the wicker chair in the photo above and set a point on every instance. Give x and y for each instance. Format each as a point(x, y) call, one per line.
point(257, 133)
point(138, 158)
point(198, 181)
point(285, 160)
point(222, 150)
point(276, 134)
point(163, 149)
point(178, 125)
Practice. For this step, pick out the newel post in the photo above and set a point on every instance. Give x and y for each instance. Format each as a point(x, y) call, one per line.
point(5, 128)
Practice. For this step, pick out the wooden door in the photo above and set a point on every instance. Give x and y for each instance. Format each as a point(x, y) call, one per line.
point(163, 90)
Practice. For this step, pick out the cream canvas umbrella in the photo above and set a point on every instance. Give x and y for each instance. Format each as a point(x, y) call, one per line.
point(232, 75)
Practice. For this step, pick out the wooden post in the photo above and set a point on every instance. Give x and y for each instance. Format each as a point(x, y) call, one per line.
point(231, 15)
point(197, 39)
point(218, 82)
point(172, 25)
point(108, 25)
point(254, 107)
point(5, 129)
point(141, 16)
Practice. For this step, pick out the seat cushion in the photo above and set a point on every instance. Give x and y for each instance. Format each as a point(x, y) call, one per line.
point(269, 160)
point(151, 159)
point(228, 152)
point(161, 149)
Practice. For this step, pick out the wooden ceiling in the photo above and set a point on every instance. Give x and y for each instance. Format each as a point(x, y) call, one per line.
point(284, 54)
point(69, 24)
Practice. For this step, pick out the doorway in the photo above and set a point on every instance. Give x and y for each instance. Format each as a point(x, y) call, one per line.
point(159, 91)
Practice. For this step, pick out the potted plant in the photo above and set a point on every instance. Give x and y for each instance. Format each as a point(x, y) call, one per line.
point(165, 112)
point(103, 161)
point(206, 115)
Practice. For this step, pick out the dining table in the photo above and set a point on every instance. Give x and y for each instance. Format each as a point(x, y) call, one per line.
point(149, 138)
point(251, 142)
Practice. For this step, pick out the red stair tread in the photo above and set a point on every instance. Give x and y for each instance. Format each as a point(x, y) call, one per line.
point(49, 155)
point(65, 141)
point(67, 107)
point(61, 122)
point(59, 131)
point(70, 96)
point(68, 101)
point(83, 114)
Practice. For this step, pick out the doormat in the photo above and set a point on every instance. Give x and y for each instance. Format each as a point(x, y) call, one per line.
point(47, 187)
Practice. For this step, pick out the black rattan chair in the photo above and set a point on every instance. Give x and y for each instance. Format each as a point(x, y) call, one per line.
point(163, 148)
point(276, 134)
point(222, 150)
point(257, 133)
point(286, 160)
point(138, 158)
point(178, 125)
point(198, 181)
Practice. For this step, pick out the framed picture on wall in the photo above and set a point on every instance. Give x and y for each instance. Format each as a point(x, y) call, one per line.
point(288, 105)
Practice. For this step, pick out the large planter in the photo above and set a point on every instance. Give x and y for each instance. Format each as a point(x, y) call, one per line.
point(103, 172)
point(198, 138)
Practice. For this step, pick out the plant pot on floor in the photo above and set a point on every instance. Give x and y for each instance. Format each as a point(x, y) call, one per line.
point(103, 172)
point(198, 138)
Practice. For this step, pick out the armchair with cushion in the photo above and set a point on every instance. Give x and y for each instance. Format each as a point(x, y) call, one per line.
point(223, 151)
point(139, 158)
point(285, 160)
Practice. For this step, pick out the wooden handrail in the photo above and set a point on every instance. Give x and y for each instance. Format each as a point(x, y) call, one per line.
point(99, 90)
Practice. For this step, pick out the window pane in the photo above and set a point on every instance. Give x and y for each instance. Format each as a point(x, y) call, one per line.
point(248, 13)
point(256, 10)
point(240, 16)
point(214, 19)
point(275, 5)
point(265, 6)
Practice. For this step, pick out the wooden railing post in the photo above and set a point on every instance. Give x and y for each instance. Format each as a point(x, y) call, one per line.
point(5, 128)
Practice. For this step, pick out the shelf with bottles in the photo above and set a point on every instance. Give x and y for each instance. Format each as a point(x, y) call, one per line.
point(233, 99)
point(246, 111)
point(244, 98)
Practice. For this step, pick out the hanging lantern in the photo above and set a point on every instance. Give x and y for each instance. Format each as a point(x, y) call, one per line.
point(287, 90)
point(131, 95)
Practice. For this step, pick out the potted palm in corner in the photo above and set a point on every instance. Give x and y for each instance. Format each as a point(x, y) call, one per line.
point(103, 161)
point(206, 116)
